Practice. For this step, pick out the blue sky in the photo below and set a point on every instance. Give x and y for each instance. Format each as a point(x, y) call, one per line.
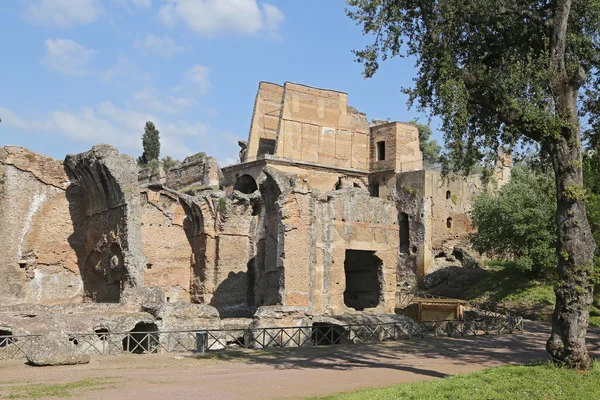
point(80, 72)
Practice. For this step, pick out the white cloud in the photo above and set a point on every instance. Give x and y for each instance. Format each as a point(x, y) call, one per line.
point(197, 76)
point(217, 17)
point(273, 17)
point(67, 57)
point(63, 13)
point(142, 3)
point(107, 123)
point(149, 98)
point(163, 46)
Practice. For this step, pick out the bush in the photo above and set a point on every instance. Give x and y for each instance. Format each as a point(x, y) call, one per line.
point(518, 222)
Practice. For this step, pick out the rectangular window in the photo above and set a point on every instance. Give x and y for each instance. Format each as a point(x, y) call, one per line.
point(374, 189)
point(380, 151)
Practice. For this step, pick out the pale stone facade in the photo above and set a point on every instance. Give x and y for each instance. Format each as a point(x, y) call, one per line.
point(325, 215)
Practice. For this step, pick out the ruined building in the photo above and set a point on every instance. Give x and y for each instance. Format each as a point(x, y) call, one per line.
point(327, 215)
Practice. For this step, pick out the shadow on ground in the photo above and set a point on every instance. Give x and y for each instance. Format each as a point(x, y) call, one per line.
point(523, 348)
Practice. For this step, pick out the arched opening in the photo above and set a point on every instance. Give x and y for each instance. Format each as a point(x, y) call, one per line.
point(327, 334)
point(102, 333)
point(246, 184)
point(404, 233)
point(449, 222)
point(142, 339)
point(448, 195)
point(6, 338)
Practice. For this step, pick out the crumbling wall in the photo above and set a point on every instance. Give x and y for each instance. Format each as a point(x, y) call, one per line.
point(307, 235)
point(37, 263)
point(265, 122)
point(352, 220)
point(167, 239)
point(223, 250)
point(197, 170)
point(437, 209)
point(108, 242)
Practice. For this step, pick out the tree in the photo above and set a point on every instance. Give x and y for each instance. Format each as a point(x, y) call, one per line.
point(430, 148)
point(169, 162)
point(517, 223)
point(151, 144)
point(504, 73)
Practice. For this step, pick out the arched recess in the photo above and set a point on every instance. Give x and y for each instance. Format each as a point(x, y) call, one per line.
point(246, 184)
point(201, 236)
point(269, 272)
point(105, 212)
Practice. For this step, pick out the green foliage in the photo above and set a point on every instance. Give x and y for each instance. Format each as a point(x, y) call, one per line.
point(410, 190)
point(169, 163)
point(491, 70)
point(222, 204)
point(154, 166)
point(543, 381)
point(429, 147)
point(509, 288)
point(517, 223)
point(591, 178)
point(151, 144)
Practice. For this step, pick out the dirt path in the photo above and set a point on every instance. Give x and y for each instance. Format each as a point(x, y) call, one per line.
point(278, 373)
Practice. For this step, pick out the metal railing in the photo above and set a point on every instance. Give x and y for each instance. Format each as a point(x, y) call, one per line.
point(16, 346)
point(202, 340)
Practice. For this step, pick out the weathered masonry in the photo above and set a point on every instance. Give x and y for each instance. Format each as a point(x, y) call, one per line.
point(326, 216)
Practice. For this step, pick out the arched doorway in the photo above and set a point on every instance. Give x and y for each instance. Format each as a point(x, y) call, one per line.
point(246, 184)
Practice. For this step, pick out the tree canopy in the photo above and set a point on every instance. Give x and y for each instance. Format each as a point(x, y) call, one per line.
point(505, 73)
point(517, 223)
point(430, 148)
point(150, 143)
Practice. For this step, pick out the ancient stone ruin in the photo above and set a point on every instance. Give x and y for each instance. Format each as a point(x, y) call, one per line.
point(326, 218)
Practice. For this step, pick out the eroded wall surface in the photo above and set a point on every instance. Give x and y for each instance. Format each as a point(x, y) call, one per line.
point(38, 261)
point(167, 240)
point(111, 258)
point(265, 121)
point(437, 214)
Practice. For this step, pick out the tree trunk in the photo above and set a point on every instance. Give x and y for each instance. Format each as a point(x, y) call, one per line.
point(575, 248)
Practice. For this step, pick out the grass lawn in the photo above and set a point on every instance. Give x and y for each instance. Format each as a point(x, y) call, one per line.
point(544, 381)
point(531, 298)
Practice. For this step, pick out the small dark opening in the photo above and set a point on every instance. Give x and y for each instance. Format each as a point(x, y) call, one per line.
point(448, 195)
point(404, 233)
point(102, 333)
point(168, 299)
point(256, 209)
point(246, 184)
point(374, 189)
point(6, 338)
point(22, 265)
point(266, 146)
point(149, 266)
point(356, 185)
point(324, 334)
point(381, 151)
point(338, 185)
point(449, 222)
point(142, 339)
point(74, 341)
point(362, 269)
